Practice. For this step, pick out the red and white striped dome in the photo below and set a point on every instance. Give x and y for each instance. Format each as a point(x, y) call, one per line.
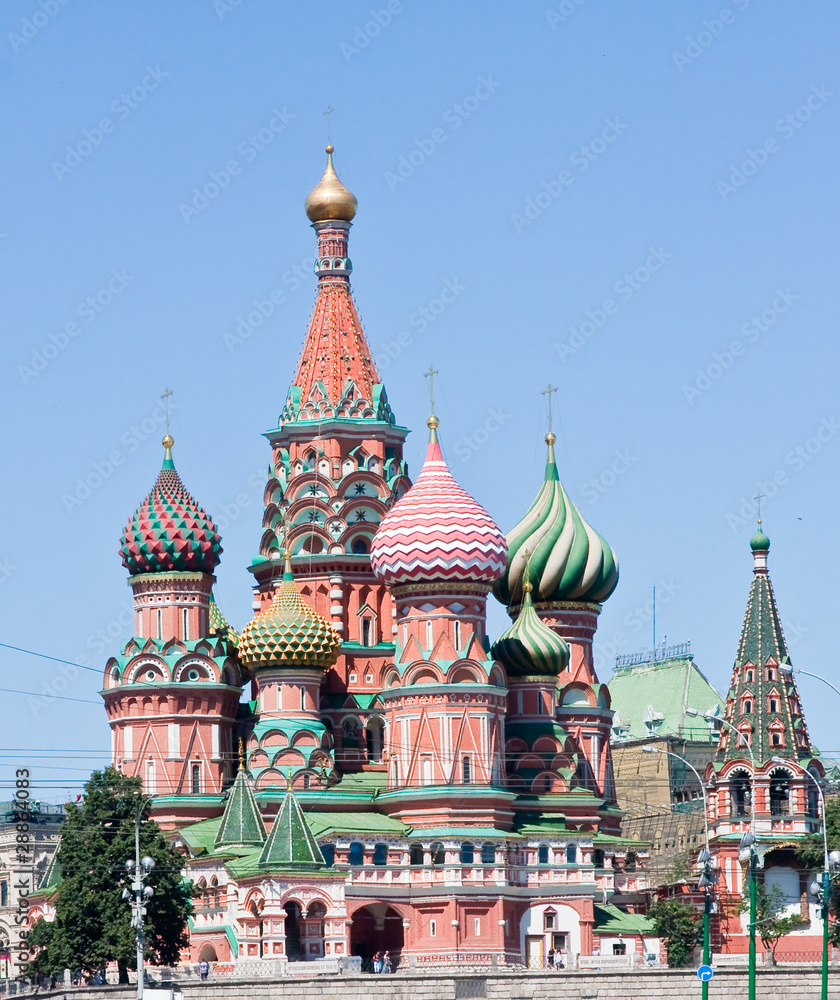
point(437, 531)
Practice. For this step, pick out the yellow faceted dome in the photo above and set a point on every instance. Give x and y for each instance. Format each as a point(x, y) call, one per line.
point(330, 200)
point(288, 633)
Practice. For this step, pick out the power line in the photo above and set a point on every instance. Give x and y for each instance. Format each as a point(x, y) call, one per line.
point(44, 656)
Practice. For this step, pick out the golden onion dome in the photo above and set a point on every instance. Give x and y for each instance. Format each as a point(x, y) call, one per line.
point(330, 200)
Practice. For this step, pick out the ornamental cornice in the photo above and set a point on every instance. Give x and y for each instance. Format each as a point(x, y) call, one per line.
point(443, 589)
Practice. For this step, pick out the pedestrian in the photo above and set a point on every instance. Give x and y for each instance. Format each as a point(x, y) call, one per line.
point(377, 962)
point(558, 960)
point(550, 962)
point(203, 968)
point(386, 962)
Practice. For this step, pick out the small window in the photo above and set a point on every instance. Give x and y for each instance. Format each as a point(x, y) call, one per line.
point(307, 780)
point(749, 677)
point(380, 854)
point(429, 635)
point(488, 854)
point(415, 854)
point(328, 850)
point(186, 617)
point(776, 739)
point(747, 708)
point(467, 853)
point(458, 635)
point(159, 623)
point(774, 705)
point(571, 854)
point(630, 861)
point(549, 920)
point(438, 855)
point(771, 674)
point(367, 632)
point(477, 926)
point(620, 948)
point(356, 854)
point(598, 858)
point(433, 928)
point(542, 854)
point(303, 699)
point(196, 779)
point(352, 678)
point(4, 893)
point(465, 767)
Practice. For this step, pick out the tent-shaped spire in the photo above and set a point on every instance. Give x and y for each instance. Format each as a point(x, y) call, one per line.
point(291, 843)
point(241, 825)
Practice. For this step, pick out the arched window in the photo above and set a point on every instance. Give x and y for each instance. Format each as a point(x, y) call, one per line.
point(427, 770)
point(311, 459)
point(747, 710)
point(467, 853)
point(774, 706)
point(571, 854)
point(598, 858)
point(151, 784)
point(429, 635)
point(307, 780)
point(630, 861)
point(776, 739)
point(328, 850)
point(779, 792)
point(488, 853)
point(196, 779)
point(771, 674)
point(356, 854)
point(749, 677)
point(458, 635)
point(741, 791)
point(542, 854)
point(465, 767)
point(438, 855)
point(367, 631)
point(415, 854)
point(380, 854)
point(360, 545)
point(549, 919)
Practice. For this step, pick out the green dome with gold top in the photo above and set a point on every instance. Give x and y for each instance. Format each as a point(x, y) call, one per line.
point(530, 648)
point(569, 560)
point(289, 633)
point(759, 541)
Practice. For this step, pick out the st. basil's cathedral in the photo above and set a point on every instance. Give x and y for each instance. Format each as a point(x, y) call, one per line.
point(393, 779)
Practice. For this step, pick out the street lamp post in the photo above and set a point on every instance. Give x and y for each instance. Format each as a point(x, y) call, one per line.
point(820, 890)
point(747, 851)
point(137, 897)
point(708, 878)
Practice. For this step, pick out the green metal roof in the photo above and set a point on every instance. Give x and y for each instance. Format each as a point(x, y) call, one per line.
point(324, 824)
point(609, 919)
point(463, 833)
point(241, 823)
point(650, 698)
point(291, 844)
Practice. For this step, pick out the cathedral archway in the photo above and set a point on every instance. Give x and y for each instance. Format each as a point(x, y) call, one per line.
point(377, 927)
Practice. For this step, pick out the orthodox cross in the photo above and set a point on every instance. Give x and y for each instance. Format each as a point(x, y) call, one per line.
point(165, 397)
point(328, 115)
point(549, 392)
point(759, 497)
point(430, 375)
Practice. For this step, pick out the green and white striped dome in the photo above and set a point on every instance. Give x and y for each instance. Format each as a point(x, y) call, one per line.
point(530, 648)
point(569, 560)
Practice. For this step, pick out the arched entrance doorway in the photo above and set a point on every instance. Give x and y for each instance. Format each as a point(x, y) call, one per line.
point(208, 954)
point(377, 927)
point(294, 949)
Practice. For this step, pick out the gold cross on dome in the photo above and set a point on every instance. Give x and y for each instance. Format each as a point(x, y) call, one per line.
point(549, 391)
point(165, 397)
point(430, 375)
point(758, 498)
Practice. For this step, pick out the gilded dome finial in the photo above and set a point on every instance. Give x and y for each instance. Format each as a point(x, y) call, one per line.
point(330, 200)
point(432, 423)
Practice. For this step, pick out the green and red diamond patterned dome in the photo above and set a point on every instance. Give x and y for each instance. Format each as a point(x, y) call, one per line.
point(170, 532)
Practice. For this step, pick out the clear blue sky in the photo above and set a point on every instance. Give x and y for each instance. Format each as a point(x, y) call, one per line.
point(529, 154)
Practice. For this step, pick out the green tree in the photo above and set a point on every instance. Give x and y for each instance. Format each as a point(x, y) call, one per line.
point(811, 853)
point(678, 924)
point(771, 926)
point(92, 923)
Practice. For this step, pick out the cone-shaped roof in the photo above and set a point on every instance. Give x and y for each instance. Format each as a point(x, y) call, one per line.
point(763, 701)
point(437, 531)
point(170, 531)
point(219, 625)
point(529, 647)
point(242, 824)
point(289, 633)
point(291, 843)
point(569, 560)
